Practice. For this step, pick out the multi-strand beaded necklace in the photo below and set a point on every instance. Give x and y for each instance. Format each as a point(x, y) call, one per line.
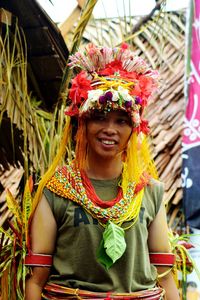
point(67, 182)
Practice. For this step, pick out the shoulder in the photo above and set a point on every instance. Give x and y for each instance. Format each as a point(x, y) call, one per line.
point(155, 187)
point(56, 185)
point(57, 204)
point(153, 196)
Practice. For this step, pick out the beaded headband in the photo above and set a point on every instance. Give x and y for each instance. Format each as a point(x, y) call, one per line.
point(111, 79)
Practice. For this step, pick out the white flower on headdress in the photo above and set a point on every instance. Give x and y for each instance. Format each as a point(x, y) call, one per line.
point(115, 97)
point(93, 96)
point(125, 94)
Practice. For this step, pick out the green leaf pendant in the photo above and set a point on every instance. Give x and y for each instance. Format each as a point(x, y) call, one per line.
point(112, 246)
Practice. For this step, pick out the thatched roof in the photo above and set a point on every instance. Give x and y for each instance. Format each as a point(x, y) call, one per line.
point(46, 50)
point(46, 55)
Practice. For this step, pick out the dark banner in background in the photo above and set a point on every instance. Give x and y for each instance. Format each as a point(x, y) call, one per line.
point(191, 182)
point(191, 145)
point(191, 134)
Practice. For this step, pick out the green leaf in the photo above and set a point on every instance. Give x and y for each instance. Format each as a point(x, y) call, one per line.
point(120, 99)
point(114, 241)
point(102, 256)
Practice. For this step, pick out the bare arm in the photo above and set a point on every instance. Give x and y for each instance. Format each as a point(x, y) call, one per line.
point(158, 242)
point(36, 282)
point(43, 236)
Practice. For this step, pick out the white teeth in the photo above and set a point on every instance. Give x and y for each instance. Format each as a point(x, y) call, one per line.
point(108, 142)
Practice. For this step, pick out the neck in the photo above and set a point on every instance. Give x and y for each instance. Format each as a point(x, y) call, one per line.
point(104, 169)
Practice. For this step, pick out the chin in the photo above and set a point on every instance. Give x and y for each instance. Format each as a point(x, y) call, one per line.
point(108, 155)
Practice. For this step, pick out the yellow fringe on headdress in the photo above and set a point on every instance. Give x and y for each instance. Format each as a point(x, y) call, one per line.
point(138, 160)
point(147, 158)
point(66, 142)
point(105, 84)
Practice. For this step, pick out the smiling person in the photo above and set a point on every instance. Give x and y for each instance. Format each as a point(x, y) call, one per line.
point(100, 230)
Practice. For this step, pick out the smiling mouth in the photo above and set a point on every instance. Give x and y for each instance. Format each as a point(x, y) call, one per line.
point(108, 142)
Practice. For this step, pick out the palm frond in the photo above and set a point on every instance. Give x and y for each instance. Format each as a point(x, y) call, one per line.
point(26, 208)
point(14, 207)
point(14, 246)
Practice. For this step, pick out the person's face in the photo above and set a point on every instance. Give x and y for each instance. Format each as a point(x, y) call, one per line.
point(108, 133)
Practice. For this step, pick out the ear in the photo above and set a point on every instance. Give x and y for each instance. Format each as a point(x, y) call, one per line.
point(124, 155)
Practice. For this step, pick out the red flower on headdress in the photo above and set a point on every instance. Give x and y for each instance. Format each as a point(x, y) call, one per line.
point(136, 91)
point(72, 110)
point(111, 68)
point(146, 85)
point(144, 127)
point(132, 76)
point(80, 87)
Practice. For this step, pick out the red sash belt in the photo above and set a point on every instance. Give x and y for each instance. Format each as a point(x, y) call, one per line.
point(56, 292)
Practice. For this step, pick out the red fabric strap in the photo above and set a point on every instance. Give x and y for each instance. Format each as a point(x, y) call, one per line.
point(159, 259)
point(162, 259)
point(42, 260)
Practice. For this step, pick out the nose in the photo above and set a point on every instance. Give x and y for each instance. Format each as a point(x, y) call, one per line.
point(110, 128)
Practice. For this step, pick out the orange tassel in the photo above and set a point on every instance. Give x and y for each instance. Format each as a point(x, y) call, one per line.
point(81, 146)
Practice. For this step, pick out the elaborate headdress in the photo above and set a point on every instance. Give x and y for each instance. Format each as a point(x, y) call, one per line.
point(111, 78)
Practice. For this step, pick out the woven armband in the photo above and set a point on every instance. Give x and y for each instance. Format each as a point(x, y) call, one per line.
point(162, 259)
point(38, 260)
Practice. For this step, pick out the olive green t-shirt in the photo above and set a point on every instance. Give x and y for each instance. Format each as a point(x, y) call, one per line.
point(79, 236)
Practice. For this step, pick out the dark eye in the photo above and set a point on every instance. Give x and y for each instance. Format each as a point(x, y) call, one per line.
point(123, 121)
point(100, 118)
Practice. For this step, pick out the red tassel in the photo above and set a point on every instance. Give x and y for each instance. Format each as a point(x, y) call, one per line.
point(72, 110)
